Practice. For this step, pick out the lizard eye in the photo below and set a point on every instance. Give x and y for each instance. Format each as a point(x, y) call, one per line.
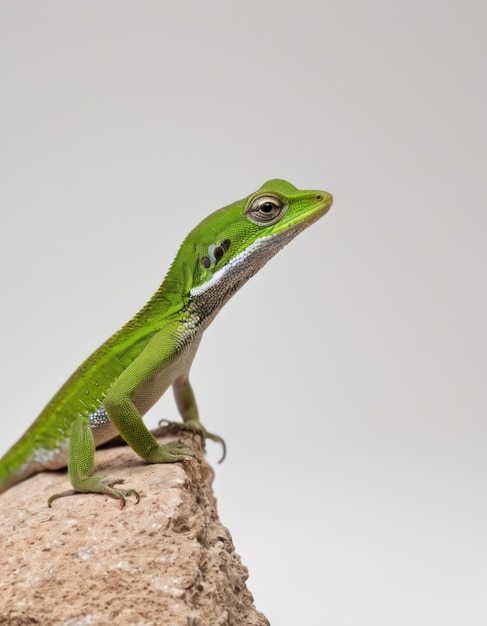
point(266, 209)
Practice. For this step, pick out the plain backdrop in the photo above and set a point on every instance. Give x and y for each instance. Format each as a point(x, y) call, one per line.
point(348, 377)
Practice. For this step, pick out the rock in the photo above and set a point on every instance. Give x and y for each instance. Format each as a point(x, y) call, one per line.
point(167, 560)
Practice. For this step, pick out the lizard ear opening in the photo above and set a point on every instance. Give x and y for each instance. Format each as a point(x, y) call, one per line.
point(215, 253)
point(266, 209)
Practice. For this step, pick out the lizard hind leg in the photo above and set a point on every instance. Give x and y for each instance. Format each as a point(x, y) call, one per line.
point(81, 465)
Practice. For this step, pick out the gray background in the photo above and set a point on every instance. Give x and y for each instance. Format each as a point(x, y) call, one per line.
point(348, 378)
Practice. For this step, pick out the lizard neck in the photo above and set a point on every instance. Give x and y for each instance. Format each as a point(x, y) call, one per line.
point(206, 300)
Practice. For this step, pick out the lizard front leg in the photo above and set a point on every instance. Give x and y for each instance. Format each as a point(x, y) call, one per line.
point(137, 388)
point(186, 403)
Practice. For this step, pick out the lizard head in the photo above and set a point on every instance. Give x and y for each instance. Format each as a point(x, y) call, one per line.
point(233, 243)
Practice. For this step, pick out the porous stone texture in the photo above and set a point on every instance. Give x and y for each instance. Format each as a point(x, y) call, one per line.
point(167, 560)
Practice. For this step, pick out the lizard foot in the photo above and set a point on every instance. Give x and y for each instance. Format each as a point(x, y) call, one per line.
point(97, 484)
point(198, 428)
point(169, 453)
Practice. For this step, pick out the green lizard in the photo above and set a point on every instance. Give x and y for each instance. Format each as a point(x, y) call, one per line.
point(110, 392)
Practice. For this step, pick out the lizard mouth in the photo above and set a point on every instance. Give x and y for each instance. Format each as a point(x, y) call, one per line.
point(313, 214)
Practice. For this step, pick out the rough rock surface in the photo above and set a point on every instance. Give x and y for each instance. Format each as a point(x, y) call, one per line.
point(167, 560)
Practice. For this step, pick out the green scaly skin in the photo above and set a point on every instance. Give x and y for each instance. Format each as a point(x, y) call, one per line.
point(111, 391)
